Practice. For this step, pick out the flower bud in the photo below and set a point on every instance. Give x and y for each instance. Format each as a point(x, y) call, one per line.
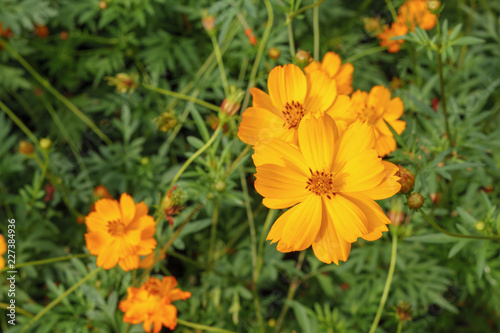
point(435, 197)
point(145, 160)
point(41, 31)
point(232, 103)
point(274, 53)
point(172, 203)
point(165, 122)
point(407, 179)
point(403, 311)
point(49, 192)
point(64, 35)
point(7, 33)
point(123, 82)
point(395, 83)
point(213, 121)
point(208, 22)
point(372, 25)
point(103, 5)
point(45, 143)
point(302, 58)
point(415, 201)
point(480, 225)
point(101, 192)
point(26, 147)
point(396, 214)
point(433, 5)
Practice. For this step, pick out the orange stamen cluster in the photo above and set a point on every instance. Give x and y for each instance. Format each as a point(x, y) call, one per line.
point(293, 113)
point(321, 183)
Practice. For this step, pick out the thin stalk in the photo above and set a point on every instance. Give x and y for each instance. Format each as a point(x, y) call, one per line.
point(19, 123)
point(400, 327)
point(366, 52)
point(316, 32)
point(291, 42)
point(56, 93)
point(260, 51)
point(452, 234)
point(253, 242)
point(18, 309)
point(182, 96)
point(294, 285)
point(260, 250)
point(385, 293)
point(59, 299)
point(46, 261)
point(441, 84)
point(202, 327)
point(213, 231)
point(392, 10)
point(195, 155)
point(222, 71)
point(303, 9)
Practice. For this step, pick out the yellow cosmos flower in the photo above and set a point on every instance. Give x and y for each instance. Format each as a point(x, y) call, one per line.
point(332, 65)
point(151, 304)
point(330, 183)
point(120, 232)
point(374, 108)
point(415, 13)
point(292, 95)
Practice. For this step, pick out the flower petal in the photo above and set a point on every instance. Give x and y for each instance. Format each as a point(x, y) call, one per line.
point(96, 241)
point(331, 63)
point(388, 186)
point(129, 263)
point(95, 222)
point(284, 185)
point(394, 109)
point(328, 247)
point(257, 124)
point(279, 152)
point(108, 209)
point(344, 79)
point(286, 84)
point(108, 257)
point(127, 206)
point(317, 137)
point(342, 110)
point(262, 100)
point(348, 219)
point(321, 93)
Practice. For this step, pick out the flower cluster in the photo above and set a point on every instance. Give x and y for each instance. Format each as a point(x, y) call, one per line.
point(318, 152)
point(412, 14)
point(151, 304)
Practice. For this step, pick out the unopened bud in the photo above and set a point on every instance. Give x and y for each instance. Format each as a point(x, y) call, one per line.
point(407, 179)
point(395, 83)
point(165, 122)
point(396, 214)
point(103, 5)
point(433, 5)
point(45, 143)
point(480, 226)
point(415, 201)
point(64, 35)
point(372, 25)
point(302, 58)
point(232, 103)
point(101, 192)
point(26, 147)
point(172, 203)
point(208, 22)
point(274, 53)
point(145, 160)
point(41, 31)
point(435, 197)
point(213, 121)
point(403, 311)
point(220, 186)
point(123, 82)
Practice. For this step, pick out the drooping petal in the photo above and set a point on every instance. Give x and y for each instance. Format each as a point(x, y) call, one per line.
point(321, 93)
point(349, 220)
point(286, 84)
point(317, 137)
point(282, 184)
point(258, 123)
point(127, 206)
point(328, 247)
point(302, 225)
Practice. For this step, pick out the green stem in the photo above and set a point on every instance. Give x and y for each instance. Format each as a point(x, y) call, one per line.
point(392, 10)
point(452, 234)
point(253, 242)
point(400, 327)
point(294, 285)
point(46, 261)
point(441, 83)
point(269, 219)
point(18, 309)
point(60, 298)
point(56, 93)
point(202, 327)
point(182, 96)
point(218, 55)
point(316, 32)
point(366, 52)
point(19, 123)
point(387, 282)
point(303, 9)
point(213, 231)
point(291, 42)
point(195, 155)
point(260, 51)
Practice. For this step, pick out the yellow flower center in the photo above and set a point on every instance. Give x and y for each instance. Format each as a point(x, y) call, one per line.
point(116, 228)
point(293, 114)
point(321, 183)
point(369, 115)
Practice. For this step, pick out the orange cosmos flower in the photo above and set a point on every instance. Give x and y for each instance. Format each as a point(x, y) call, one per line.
point(332, 65)
point(397, 29)
point(377, 107)
point(3, 249)
point(415, 13)
point(330, 183)
point(151, 304)
point(292, 95)
point(120, 232)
